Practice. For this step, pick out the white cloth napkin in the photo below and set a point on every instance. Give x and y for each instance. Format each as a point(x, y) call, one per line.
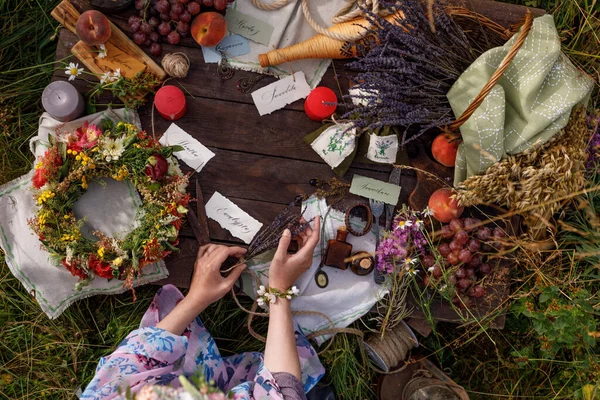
point(109, 207)
point(347, 297)
point(290, 28)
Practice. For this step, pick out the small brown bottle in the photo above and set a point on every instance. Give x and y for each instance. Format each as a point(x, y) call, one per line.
point(338, 250)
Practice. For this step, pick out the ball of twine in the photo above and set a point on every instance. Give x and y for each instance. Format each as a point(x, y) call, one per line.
point(176, 64)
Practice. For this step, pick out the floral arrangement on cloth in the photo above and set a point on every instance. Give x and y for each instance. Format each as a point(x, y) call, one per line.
point(120, 151)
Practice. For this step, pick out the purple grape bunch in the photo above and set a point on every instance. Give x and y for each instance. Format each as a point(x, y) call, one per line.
point(463, 249)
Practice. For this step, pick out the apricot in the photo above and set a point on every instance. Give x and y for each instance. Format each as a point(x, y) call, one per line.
point(444, 148)
point(209, 28)
point(444, 208)
point(93, 28)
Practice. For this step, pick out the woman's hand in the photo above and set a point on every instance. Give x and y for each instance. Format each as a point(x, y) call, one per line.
point(286, 268)
point(208, 285)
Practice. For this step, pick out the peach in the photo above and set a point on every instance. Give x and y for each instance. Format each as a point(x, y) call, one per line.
point(93, 28)
point(444, 208)
point(444, 148)
point(209, 28)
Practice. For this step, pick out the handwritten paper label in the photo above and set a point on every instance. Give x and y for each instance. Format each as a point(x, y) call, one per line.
point(374, 189)
point(335, 144)
point(281, 93)
point(117, 58)
point(383, 149)
point(193, 154)
point(248, 26)
point(232, 46)
point(232, 218)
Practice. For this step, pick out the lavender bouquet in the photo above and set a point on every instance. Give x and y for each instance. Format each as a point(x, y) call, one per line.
point(406, 70)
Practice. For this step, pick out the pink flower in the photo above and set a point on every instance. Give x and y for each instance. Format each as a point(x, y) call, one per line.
point(86, 137)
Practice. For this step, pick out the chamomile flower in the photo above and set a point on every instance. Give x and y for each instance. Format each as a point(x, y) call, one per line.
point(106, 77)
point(408, 261)
point(419, 223)
point(427, 212)
point(73, 71)
point(116, 75)
point(411, 270)
point(112, 148)
point(102, 52)
point(404, 224)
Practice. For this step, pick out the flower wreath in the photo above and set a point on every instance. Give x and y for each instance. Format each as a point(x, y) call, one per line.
point(119, 151)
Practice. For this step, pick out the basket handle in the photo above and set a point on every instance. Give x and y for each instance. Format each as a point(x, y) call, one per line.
point(496, 75)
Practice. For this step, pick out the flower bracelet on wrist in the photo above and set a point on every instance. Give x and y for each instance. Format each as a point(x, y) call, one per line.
point(267, 296)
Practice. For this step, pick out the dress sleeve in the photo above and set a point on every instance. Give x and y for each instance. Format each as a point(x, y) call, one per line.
point(147, 355)
point(290, 386)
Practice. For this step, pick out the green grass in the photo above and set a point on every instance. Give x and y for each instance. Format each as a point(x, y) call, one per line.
point(41, 358)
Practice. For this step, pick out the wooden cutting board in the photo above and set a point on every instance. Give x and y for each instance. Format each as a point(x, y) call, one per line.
point(121, 52)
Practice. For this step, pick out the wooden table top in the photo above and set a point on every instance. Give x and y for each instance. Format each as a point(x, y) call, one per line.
point(260, 163)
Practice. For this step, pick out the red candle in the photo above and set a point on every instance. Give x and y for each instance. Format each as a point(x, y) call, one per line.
point(170, 102)
point(315, 106)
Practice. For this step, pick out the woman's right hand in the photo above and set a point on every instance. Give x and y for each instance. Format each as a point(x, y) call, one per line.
point(286, 268)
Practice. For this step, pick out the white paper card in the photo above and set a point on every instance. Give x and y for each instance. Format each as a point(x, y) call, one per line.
point(195, 154)
point(232, 46)
point(281, 93)
point(335, 143)
point(232, 218)
point(383, 149)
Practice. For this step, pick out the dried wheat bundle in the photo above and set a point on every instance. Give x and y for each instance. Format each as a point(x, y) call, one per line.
point(536, 176)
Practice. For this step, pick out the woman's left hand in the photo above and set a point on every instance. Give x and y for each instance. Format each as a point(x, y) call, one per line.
point(208, 285)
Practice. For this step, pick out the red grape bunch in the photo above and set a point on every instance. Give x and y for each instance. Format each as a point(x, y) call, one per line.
point(464, 248)
point(160, 20)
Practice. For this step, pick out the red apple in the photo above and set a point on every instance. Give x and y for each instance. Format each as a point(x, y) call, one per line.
point(444, 208)
point(209, 28)
point(444, 149)
point(93, 28)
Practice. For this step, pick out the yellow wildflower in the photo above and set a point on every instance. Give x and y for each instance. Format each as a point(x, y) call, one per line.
point(39, 165)
point(101, 252)
point(42, 219)
point(67, 216)
point(69, 151)
point(118, 261)
point(84, 182)
point(157, 226)
point(95, 149)
point(78, 158)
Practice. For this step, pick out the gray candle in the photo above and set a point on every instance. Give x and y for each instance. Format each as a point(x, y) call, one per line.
point(62, 101)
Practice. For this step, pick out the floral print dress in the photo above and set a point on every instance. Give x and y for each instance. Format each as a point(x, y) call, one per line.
point(150, 355)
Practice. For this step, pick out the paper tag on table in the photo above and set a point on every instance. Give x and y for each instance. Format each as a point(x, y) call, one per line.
point(232, 46)
point(194, 153)
point(335, 144)
point(383, 149)
point(248, 26)
point(281, 93)
point(232, 218)
point(375, 189)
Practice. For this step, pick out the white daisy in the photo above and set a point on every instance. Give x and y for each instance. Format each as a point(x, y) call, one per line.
point(430, 269)
point(261, 290)
point(411, 270)
point(112, 148)
point(409, 261)
point(73, 71)
point(404, 224)
point(427, 212)
point(102, 52)
point(419, 223)
point(116, 75)
point(106, 77)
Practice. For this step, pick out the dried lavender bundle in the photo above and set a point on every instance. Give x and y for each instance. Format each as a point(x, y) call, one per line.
point(268, 238)
point(406, 71)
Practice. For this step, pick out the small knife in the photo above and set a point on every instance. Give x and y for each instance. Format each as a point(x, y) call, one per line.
point(389, 209)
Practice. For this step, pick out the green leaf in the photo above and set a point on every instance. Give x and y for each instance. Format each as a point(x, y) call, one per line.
point(177, 148)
